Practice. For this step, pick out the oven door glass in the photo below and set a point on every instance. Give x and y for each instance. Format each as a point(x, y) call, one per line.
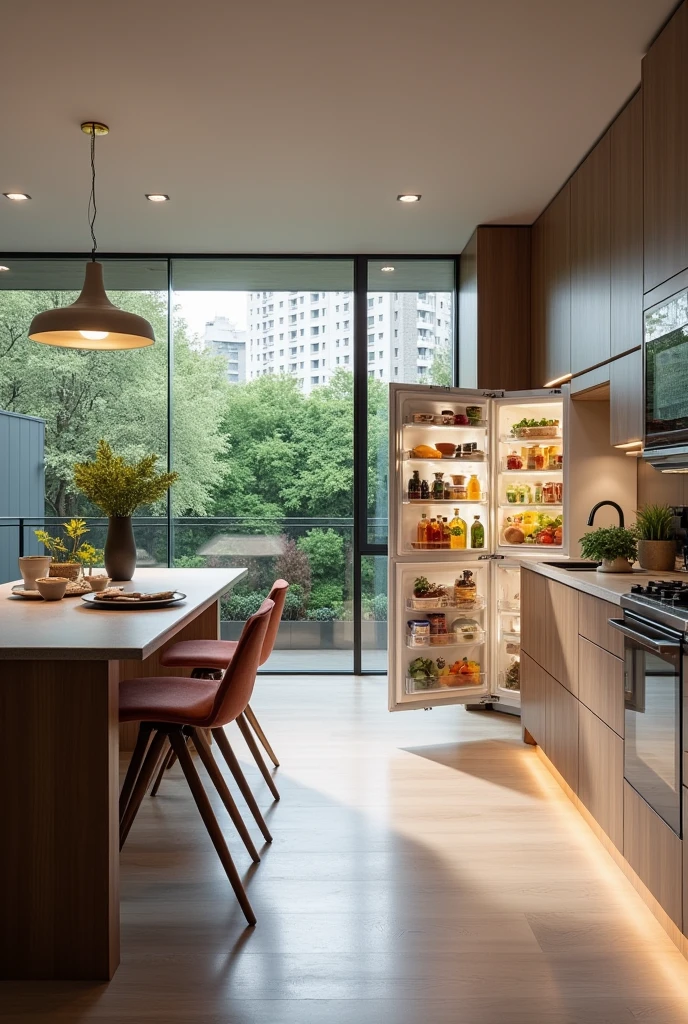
point(666, 389)
point(652, 748)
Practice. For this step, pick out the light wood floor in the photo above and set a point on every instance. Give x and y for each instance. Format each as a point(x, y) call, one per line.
point(426, 869)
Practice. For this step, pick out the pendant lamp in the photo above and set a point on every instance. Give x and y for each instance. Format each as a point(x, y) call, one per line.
point(92, 322)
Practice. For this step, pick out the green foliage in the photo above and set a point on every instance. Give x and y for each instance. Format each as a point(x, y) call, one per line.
point(322, 614)
point(325, 550)
point(295, 603)
point(327, 594)
point(375, 608)
point(118, 487)
point(609, 543)
point(191, 562)
point(239, 607)
point(78, 551)
point(654, 522)
point(121, 396)
point(441, 367)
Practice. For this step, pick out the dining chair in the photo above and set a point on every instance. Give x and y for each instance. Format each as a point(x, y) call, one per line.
point(174, 709)
point(211, 658)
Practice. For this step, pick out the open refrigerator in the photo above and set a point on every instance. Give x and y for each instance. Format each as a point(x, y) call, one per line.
point(453, 611)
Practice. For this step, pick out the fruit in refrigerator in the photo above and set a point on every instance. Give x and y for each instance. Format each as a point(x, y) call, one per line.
point(424, 451)
point(514, 535)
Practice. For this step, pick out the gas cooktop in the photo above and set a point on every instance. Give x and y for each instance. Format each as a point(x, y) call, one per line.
point(663, 601)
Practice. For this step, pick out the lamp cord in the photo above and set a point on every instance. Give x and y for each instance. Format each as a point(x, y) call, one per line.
point(92, 208)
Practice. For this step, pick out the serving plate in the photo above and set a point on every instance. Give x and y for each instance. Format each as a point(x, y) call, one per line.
point(29, 595)
point(97, 601)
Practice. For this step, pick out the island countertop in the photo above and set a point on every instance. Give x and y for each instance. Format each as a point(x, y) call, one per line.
point(72, 630)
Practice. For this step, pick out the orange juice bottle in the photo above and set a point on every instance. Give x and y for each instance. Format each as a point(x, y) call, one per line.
point(473, 489)
point(422, 531)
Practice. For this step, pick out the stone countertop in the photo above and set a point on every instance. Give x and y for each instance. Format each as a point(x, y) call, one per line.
point(606, 585)
point(71, 630)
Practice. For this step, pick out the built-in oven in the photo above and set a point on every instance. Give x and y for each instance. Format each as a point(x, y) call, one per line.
point(653, 656)
point(666, 384)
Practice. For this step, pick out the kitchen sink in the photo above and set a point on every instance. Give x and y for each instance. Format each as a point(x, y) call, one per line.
point(575, 566)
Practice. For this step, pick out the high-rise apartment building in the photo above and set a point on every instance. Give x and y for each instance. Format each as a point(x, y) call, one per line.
point(309, 335)
point(223, 339)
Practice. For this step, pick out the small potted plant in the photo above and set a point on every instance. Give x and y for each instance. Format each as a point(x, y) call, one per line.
point(654, 528)
point(68, 559)
point(118, 488)
point(614, 546)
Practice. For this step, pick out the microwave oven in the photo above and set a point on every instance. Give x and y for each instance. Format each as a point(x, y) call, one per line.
point(665, 351)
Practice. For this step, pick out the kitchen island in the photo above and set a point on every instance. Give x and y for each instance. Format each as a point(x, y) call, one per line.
point(60, 666)
point(580, 682)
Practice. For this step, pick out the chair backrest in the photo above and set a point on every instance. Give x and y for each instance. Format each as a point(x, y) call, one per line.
point(278, 594)
point(234, 692)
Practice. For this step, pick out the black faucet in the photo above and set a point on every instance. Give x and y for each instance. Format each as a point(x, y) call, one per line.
point(593, 510)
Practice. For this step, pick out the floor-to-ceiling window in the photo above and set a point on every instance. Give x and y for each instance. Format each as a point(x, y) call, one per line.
point(266, 391)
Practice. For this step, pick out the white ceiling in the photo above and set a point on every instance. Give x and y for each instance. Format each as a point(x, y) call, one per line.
point(291, 125)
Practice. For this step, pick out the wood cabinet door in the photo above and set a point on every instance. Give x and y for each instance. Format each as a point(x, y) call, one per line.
point(665, 157)
point(561, 731)
point(560, 634)
point(590, 259)
point(600, 773)
point(626, 227)
point(626, 412)
point(533, 698)
point(654, 852)
point(601, 684)
point(593, 623)
point(533, 614)
point(551, 291)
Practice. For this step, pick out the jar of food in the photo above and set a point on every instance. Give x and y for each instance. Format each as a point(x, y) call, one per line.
point(539, 458)
point(548, 493)
point(474, 413)
point(530, 464)
point(448, 417)
point(514, 461)
point(511, 494)
point(419, 632)
point(538, 493)
point(558, 493)
point(438, 623)
point(465, 589)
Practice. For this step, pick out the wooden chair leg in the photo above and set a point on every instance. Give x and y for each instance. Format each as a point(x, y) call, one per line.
point(240, 779)
point(204, 752)
point(256, 726)
point(134, 768)
point(253, 747)
point(206, 811)
point(166, 763)
point(145, 775)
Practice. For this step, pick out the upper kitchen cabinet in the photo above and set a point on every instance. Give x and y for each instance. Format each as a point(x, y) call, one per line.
point(626, 227)
point(665, 115)
point(494, 309)
point(590, 259)
point(551, 291)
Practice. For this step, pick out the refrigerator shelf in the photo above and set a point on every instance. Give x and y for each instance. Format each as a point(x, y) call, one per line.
point(432, 684)
point(464, 460)
point(480, 425)
point(446, 640)
point(444, 501)
point(511, 637)
point(530, 442)
point(524, 504)
point(440, 545)
point(432, 604)
point(508, 606)
point(525, 472)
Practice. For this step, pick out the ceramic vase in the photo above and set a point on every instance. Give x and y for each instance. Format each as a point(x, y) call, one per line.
point(615, 565)
point(33, 566)
point(657, 555)
point(120, 549)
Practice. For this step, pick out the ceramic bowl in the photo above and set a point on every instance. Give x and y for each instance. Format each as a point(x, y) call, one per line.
point(33, 566)
point(445, 447)
point(52, 588)
point(97, 583)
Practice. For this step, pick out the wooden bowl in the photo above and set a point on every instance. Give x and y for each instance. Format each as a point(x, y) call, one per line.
point(445, 447)
point(52, 588)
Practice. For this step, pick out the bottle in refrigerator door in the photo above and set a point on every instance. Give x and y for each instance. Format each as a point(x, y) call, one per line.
point(477, 533)
point(473, 488)
point(438, 487)
point(424, 490)
point(422, 531)
point(414, 486)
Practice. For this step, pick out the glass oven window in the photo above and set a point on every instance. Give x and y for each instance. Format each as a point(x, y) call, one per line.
point(666, 385)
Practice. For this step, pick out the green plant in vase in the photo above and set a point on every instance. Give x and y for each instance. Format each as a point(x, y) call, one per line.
point(68, 559)
point(118, 488)
point(614, 546)
point(654, 529)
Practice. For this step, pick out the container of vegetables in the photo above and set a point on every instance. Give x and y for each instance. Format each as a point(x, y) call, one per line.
point(526, 428)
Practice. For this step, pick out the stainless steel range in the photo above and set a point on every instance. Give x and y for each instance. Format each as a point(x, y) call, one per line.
point(655, 629)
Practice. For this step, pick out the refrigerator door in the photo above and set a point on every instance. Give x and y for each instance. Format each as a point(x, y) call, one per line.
point(416, 426)
point(529, 471)
point(506, 632)
point(439, 645)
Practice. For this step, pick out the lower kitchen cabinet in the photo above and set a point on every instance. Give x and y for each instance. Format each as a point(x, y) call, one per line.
point(601, 684)
point(561, 730)
point(600, 773)
point(533, 697)
point(654, 852)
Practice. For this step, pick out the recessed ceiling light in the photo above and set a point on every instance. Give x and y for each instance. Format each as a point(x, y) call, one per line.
point(386, 270)
point(409, 197)
point(3, 268)
point(157, 197)
point(17, 197)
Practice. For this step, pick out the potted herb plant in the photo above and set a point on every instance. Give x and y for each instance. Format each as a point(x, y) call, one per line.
point(118, 488)
point(68, 559)
point(614, 546)
point(654, 528)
